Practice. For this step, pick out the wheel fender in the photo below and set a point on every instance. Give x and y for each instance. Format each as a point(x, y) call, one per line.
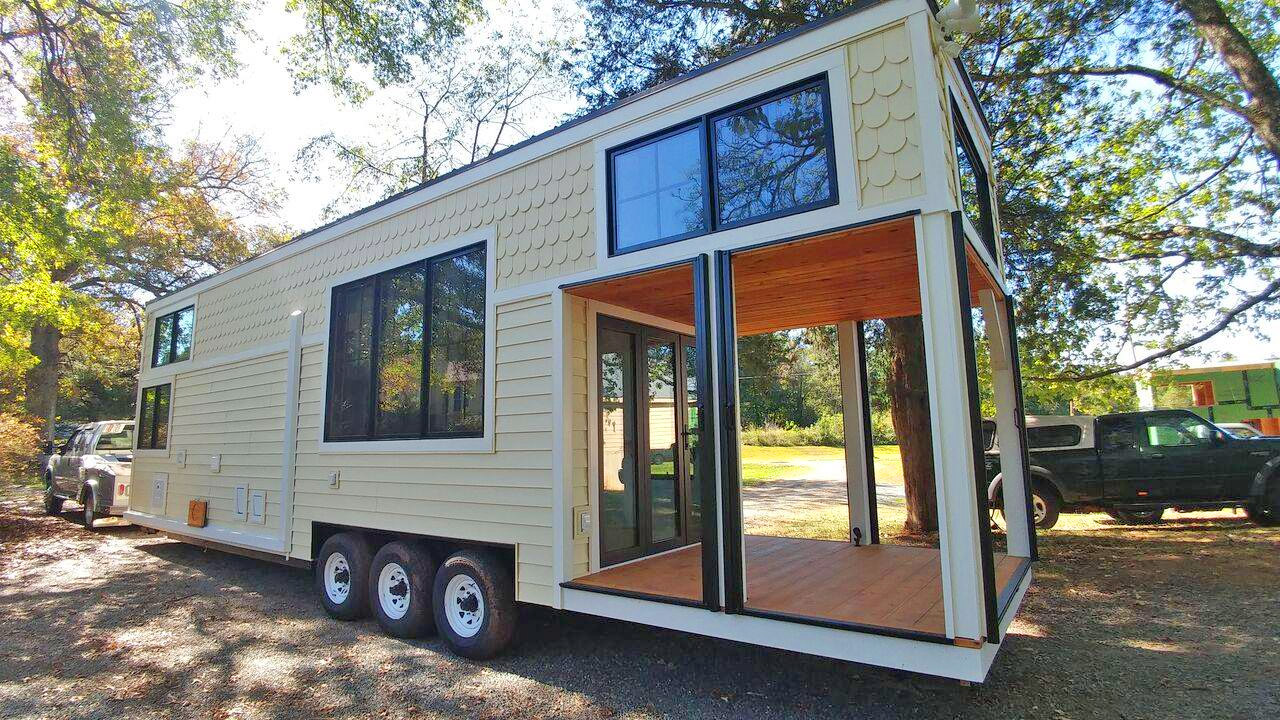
point(90, 483)
point(1038, 475)
point(1270, 472)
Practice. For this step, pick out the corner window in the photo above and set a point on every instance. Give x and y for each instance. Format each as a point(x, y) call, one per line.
point(770, 156)
point(153, 418)
point(975, 183)
point(172, 342)
point(406, 352)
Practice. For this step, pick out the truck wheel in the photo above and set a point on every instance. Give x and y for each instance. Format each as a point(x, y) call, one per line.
point(400, 588)
point(90, 513)
point(1045, 506)
point(1266, 512)
point(1137, 517)
point(342, 575)
point(52, 503)
point(474, 602)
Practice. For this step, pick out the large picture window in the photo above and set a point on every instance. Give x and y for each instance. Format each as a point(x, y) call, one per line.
point(406, 352)
point(153, 418)
point(172, 341)
point(770, 156)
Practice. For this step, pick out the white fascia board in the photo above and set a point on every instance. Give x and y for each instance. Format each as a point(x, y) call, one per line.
point(669, 99)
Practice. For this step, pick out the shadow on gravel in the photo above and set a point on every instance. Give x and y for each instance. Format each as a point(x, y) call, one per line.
point(1153, 622)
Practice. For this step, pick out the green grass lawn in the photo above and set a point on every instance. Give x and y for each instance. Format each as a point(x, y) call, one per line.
point(762, 464)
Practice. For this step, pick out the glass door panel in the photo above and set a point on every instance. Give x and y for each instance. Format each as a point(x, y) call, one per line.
point(691, 438)
point(663, 435)
point(619, 481)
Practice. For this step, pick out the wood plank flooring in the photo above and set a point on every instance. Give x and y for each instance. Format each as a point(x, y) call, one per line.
point(891, 586)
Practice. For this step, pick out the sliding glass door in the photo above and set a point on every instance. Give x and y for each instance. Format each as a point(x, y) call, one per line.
point(648, 498)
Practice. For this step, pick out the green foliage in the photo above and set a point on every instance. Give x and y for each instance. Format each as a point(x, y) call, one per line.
point(826, 431)
point(349, 44)
point(100, 370)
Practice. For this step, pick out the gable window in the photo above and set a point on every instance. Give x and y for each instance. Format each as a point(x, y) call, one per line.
point(975, 183)
point(406, 352)
point(770, 156)
point(153, 418)
point(172, 341)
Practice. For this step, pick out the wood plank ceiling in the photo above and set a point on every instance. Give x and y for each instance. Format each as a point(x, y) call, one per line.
point(859, 274)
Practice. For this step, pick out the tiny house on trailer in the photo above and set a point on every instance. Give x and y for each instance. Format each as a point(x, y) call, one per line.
point(518, 382)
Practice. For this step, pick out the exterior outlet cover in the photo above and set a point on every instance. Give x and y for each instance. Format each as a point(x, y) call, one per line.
point(582, 528)
point(334, 477)
point(181, 458)
point(159, 490)
point(242, 501)
point(258, 507)
point(215, 463)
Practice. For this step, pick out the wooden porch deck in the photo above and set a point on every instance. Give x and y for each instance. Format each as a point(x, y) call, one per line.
point(890, 586)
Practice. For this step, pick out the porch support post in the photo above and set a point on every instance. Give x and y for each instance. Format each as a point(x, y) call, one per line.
point(964, 602)
point(858, 459)
point(1009, 430)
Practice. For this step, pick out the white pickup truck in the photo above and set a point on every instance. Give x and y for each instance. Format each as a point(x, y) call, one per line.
point(93, 468)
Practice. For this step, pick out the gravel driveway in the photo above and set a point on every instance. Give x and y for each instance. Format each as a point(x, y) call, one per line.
point(1179, 621)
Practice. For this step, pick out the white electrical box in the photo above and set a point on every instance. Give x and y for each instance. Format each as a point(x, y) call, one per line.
point(258, 507)
point(159, 491)
point(334, 478)
point(180, 457)
point(215, 463)
point(242, 501)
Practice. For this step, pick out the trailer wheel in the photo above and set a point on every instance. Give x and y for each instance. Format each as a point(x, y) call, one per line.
point(342, 575)
point(474, 602)
point(400, 588)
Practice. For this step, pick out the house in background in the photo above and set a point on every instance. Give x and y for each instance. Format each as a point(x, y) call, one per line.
point(1234, 392)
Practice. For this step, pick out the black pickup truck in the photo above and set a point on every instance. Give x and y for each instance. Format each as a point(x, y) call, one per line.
point(1135, 466)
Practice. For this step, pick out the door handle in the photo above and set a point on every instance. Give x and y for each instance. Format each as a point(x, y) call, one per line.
point(1157, 455)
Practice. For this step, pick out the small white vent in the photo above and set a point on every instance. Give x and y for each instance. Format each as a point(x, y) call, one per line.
point(242, 501)
point(159, 492)
point(258, 507)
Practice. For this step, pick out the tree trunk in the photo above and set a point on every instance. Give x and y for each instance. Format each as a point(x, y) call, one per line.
point(909, 405)
point(42, 380)
point(1239, 55)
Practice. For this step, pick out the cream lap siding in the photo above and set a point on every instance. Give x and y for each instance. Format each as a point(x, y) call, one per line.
point(886, 124)
point(579, 407)
point(236, 412)
point(501, 497)
point(542, 214)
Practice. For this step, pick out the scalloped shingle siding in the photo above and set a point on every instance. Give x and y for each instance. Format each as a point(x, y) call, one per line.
point(886, 125)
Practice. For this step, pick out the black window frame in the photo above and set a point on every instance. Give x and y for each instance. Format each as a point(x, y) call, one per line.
point(155, 417)
point(171, 317)
point(428, 265)
point(986, 222)
point(710, 184)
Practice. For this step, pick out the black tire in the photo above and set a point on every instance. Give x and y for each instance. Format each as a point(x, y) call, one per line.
point(1266, 512)
point(1046, 498)
point(474, 602)
point(342, 575)
point(1137, 517)
point(52, 503)
point(90, 511)
point(405, 610)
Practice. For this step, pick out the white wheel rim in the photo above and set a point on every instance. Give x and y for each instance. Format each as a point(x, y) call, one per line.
point(464, 605)
point(337, 578)
point(393, 591)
